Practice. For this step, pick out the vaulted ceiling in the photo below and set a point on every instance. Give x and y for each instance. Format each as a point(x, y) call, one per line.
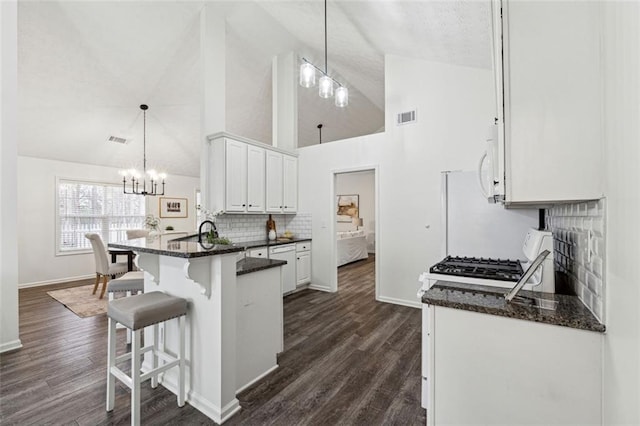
point(85, 67)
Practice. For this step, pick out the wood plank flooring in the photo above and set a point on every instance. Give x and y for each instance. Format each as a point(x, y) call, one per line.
point(347, 360)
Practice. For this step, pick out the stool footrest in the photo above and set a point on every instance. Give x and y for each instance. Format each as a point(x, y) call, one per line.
point(127, 381)
point(158, 370)
point(127, 356)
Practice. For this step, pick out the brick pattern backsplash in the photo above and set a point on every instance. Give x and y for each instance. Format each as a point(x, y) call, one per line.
point(251, 227)
point(579, 249)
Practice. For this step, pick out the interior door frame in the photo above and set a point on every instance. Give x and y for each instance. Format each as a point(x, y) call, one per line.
point(332, 223)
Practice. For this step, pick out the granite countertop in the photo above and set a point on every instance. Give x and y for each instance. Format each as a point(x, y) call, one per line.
point(253, 264)
point(569, 311)
point(266, 243)
point(168, 246)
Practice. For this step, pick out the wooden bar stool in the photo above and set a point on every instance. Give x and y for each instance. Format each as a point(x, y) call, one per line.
point(136, 313)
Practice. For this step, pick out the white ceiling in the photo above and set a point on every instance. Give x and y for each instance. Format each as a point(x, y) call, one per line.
point(85, 67)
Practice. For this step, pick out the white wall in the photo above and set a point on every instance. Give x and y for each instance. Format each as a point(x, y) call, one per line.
point(38, 263)
point(622, 188)
point(362, 184)
point(455, 105)
point(9, 337)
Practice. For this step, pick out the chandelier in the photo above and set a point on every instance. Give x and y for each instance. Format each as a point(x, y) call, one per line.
point(134, 176)
point(325, 84)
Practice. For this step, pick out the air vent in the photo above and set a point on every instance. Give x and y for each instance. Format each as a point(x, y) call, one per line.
point(406, 117)
point(116, 139)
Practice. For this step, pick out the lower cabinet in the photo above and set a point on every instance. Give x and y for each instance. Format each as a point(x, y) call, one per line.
point(303, 263)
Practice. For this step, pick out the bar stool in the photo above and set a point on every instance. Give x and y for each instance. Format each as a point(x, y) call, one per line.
point(136, 313)
point(130, 283)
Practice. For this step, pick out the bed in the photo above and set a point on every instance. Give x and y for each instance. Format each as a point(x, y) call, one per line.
point(352, 246)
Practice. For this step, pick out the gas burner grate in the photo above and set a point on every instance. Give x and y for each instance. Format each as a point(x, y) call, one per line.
point(495, 269)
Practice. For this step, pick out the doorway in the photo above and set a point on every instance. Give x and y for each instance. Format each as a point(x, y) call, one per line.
point(355, 230)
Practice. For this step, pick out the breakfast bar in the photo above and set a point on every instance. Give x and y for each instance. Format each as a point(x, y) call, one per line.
point(234, 320)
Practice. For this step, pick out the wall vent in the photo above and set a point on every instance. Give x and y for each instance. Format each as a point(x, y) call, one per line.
point(406, 117)
point(117, 139)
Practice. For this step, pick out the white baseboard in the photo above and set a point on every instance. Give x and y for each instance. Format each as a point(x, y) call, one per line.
point(260, 377)
point(56, 281)
point(10, 346)
point(411, 304)
point(319, 287)
point(218, 415)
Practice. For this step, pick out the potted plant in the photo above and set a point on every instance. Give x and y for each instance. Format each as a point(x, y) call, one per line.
point(152, 223)
point(168, 228)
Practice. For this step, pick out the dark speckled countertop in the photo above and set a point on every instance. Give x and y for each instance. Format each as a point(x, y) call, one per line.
point(569, 310)
point(254, 264)
point(163, 245)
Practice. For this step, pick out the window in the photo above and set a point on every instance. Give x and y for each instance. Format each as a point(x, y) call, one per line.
point(99, 208)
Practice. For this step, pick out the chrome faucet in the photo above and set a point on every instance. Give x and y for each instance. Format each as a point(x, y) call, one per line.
point(213, 225)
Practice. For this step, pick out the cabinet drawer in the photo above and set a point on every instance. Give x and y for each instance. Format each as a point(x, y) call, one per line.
point(304, 246)
point(258, 252)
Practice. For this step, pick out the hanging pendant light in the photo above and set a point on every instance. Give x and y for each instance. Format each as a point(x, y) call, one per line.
point(134, 175)
point(325, 84)
point(307, 75)
point(342, 97)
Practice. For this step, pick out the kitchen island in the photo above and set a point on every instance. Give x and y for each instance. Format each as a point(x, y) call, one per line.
point(234, 320)
point(535, 360)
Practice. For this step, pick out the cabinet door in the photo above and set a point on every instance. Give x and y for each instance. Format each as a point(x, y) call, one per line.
point(255, 178)
point(290, 181)
point(274, 182)
point(303, 268)
point(553, 101)
point(236, 176)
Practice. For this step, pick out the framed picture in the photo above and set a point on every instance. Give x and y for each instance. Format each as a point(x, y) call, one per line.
point(347, 207)
point(173, 207)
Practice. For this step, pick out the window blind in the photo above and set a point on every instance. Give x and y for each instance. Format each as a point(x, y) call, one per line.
point(99, 208)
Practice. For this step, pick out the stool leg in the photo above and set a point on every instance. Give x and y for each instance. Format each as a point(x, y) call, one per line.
point(135, 378)
point(111, 362)
point(181, 364)
point(154, 361)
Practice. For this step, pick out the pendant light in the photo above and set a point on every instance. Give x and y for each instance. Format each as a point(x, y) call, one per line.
point(134, 175)
point(325, 83)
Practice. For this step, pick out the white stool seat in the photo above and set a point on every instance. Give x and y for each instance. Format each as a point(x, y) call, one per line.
point(135, 313)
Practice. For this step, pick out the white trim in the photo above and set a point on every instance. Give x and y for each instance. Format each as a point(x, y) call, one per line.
point(320, 288)
point(333, 285)
point(218, 415)
point(401, 302)
point(221, 135)
point(56, 281)
point(10, 346)
point(258, 378)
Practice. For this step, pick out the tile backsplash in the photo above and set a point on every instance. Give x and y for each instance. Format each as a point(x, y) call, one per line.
point(579, 249)
point(250, 227)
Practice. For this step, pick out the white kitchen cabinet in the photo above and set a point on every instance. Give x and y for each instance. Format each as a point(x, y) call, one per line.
point(289, 184)
point(511, 371)
point(235, 176)
point(262, 252)
point(281, 183)
point(274, 182)
point(255, 179)
point(246, 176)
point(549, 91)
point(303, 263)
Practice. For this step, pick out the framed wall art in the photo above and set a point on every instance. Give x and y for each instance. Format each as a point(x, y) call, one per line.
point(173, 207)
point(347, 207)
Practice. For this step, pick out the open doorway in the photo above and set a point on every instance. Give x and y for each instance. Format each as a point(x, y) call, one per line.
point(355, 225)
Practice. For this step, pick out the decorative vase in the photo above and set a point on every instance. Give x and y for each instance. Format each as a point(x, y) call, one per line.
point(272, 235)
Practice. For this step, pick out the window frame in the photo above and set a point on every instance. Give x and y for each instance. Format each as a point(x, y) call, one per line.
point(58, 230)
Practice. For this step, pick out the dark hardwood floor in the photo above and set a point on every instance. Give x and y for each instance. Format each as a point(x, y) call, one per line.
point(347, 360)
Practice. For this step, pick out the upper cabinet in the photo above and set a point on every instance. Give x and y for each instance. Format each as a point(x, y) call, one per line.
point(549, 87)
point(245, 176)
point(282, 183)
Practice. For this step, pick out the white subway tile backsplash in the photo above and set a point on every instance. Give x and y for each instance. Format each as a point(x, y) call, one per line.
point(579, 243)
point(241, 228)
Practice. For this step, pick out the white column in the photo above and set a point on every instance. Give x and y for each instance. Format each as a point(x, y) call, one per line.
point(9, 337)
point(285, 101)
point(213, 84)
